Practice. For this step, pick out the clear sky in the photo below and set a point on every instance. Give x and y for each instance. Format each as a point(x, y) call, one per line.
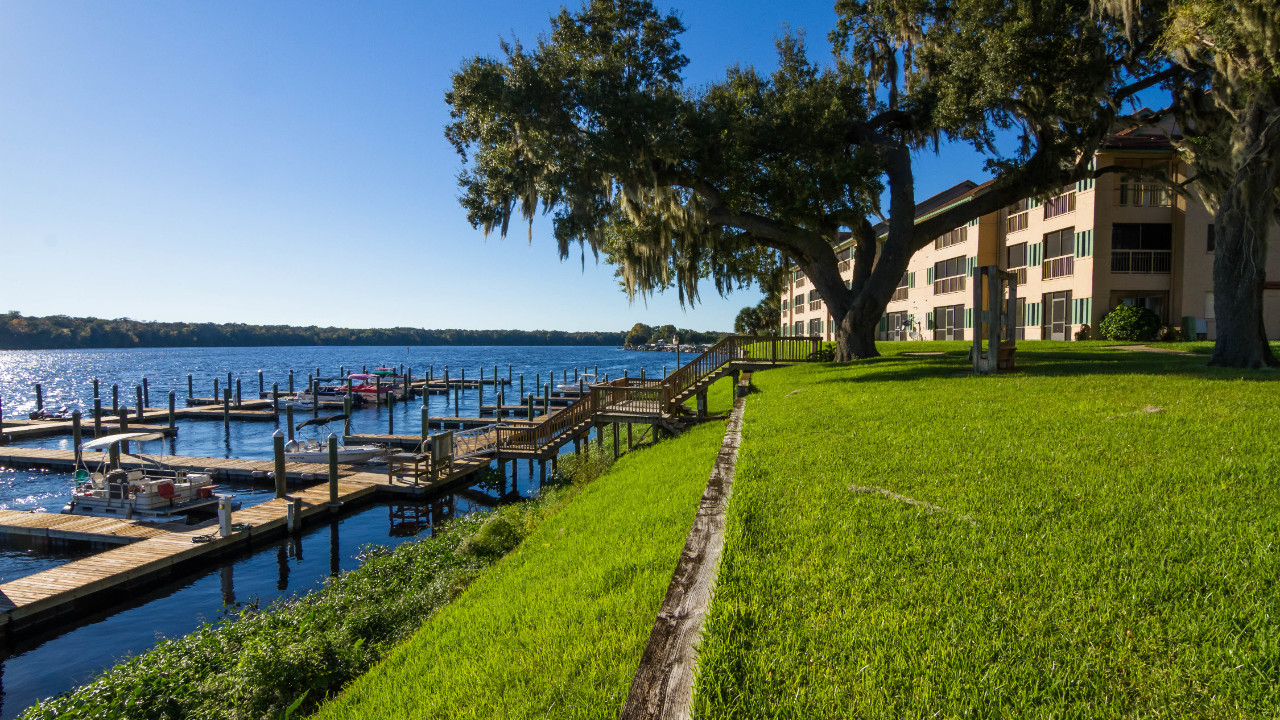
point(284, 162)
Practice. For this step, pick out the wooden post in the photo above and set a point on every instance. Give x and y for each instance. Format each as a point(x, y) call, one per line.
point(97, 417)
point(599, 437)
point(146, 393)
point(346, 410)
point(377, 390)
point(262, 390)
point(288, 418)
point(575, 374)
point(113, 456)
point(537, 381)
point(315, 398)
point(217, 390)
point(173, 401)
point(122, 421)
point(653, 433)
point(228, 379)
point(615, 441)
point(290, 381)
point(630, 444)
point(226, 407)
point(39, 397)
point(239, 397)
point(408, 386)
point(275, 398)
point(391, 419)
point(431, 372)
point(521, 384)
point(508, 373)
point(457, 390)
point(333, 470)
point(495, 376)
point(702, 404)
point(597, 373)
point(426, 419)
point(546, 399)
point(75, 432)
point(137, 392)
point(642, 372)
point(531, 410)
point(95, 387)
point(446, 386)
point(191, 390)
point(295, 515)
point(115, 399)
point(542, 471)
point(480, 390)
point(364, 369)
point(677, 356)
point(498, 412)
point(277, 452)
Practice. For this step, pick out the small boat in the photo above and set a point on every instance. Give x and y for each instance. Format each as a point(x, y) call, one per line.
point(372, 387)
point(313, 450)
point(385, 372)
point(142, 494)
point(63, 413)
point(585, 380)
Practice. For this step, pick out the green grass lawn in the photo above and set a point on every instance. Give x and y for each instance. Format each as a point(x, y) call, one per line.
point(556, 628)
point(1095, 535)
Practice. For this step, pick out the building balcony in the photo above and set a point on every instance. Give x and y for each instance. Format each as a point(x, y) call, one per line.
point(899, 294)
point(1058, 267)
point(948, 285)
point(1142, 262)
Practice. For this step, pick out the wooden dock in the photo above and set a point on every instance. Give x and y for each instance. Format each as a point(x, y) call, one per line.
point(33, 430)
point(153, 551)
point(458, 422)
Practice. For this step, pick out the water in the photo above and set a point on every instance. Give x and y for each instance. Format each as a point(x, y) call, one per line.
point(38, 666)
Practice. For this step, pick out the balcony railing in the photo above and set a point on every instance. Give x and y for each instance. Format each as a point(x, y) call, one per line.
point(1142, 262)
point(1143, 195)
point(845, 265)
point(1020, 274)
point(948, 284)
point(899, 294)
point(1064, 266)
point(815, 305)
point(1014, 223)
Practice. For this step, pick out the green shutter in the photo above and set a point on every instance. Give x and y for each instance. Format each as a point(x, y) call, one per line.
point(911, 280)
point(968, 317)
point(969, 264)
point(928, 321)
point(1084, 243)
point(928, 276)
point(884, 323)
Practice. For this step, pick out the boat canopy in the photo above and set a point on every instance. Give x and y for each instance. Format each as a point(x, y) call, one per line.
point(322, 420)
point(360, 376)
point(107, 441)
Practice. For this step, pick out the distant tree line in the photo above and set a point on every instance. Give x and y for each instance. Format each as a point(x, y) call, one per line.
point(59, 331)
point(641, 334)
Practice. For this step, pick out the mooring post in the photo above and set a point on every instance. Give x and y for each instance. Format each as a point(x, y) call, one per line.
point(575, 374)
point(364, 369)
point(480, 390)
point(346, 411)
point(501, 394)
point(537, 382)
point(391, 419)
point(122, 421)
point(457, 389)
point(288, 418)
point(495, 376)
point(333, 471)
point(642, 372)
point(97, 417)
point(295, 515)
point(217, 390)
point(191, 388)
point(228, 379)
point(531, 410)
point(275, 398)
point(546, 399)
point(426, 419)
point(408, 385)
point(290, 381)
point(95, 387)
point(239, 397)
point(431, 372)
point(137, 393)
point(39, 397)
point(616, 453)
point(508, 373)
point(597, 373)
point(113, 456)
point(173, 402)
point(677, 357)
point(226, 407)
point(277, 452)
point(262, 390)
point(315, 399)
point(75, 432)
point(224, 516)
point(521, 384)
point(146, 393)
point(115, 399)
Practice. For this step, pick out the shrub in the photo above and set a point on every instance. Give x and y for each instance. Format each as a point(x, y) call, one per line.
point(1129, 322)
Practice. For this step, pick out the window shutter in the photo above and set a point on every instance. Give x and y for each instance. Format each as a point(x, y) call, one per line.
point(969, 264)
point(928, 321)
point(968, 317)
point(884, 323)
point(928, 275)
point(1084, 243)
point(911, 280)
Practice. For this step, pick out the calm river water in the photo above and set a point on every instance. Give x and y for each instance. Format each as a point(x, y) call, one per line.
point(39, 666)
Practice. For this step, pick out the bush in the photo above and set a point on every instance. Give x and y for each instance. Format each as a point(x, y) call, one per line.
point(1129, 322)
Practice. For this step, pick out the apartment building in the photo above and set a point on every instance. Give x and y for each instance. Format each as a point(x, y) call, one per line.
point(1093, 246)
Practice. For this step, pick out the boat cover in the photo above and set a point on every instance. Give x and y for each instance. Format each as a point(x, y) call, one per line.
point(107, 441)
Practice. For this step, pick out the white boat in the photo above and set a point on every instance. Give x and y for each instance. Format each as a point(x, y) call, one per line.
point(312, 450)
point(585, 380)
point(145, 494)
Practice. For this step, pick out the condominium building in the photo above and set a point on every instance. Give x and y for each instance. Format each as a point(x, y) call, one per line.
point(1093, 246)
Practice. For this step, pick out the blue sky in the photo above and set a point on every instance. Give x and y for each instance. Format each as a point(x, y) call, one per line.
point(284, 162)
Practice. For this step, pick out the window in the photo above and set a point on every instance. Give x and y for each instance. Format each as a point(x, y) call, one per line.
point(901, 292)
point(848, 284)
point(784, 305)
point(1140, 190)
point(1016, 216)
point(948, 275)
point(797, 278)
point(1059, 243)
point(948, 322)
point(798, 302)
point(1062, 203)
point(815, 302)
point(843, 254)
point(955, 237)
point(1209, 239)
point(815, 327)
point(1016, 256)
point(1142, 248)
point(799, 328)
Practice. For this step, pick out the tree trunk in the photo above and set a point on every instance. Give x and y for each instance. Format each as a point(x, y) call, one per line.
point(855, 340)
point(1240, 252)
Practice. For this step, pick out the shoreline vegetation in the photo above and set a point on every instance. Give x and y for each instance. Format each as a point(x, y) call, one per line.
point(60, 332)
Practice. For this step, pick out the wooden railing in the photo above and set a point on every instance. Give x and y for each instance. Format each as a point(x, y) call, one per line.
point(1058, 267)
point(1148, 262)
point(955, 283)
point(652, 397)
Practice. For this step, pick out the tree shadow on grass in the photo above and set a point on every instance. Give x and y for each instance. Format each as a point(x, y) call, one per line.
point(1045, 363)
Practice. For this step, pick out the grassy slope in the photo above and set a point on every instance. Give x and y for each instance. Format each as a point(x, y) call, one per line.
point(558, 626)
point(1118, 563)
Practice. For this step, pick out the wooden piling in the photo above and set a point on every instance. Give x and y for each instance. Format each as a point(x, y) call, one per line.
point(75, 431)
point(290, 381)
point(616, 451)
point(115, 399)
point(146, 393)
point(294, 519)
point(191, 389)
point(277, 452)
point(333, 471)
point(226, 407)
point(630, 444)
point(39, 397)
point(239, 397)
point(217, 390)
point(425, 419)
point(508, 373)
point(377, 390)
point(288, 418)
point(391, 419)
point(262, 391)
point(113, 456)
point(346, 410)
point(315, 399)
point(521, 384)
point(275, 398)
point(95, 387)
point(97, 417)
point(173, 402)
point(123, 421)
point(137, 392)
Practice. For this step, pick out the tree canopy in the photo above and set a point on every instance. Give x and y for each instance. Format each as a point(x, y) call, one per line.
point(676, 185)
